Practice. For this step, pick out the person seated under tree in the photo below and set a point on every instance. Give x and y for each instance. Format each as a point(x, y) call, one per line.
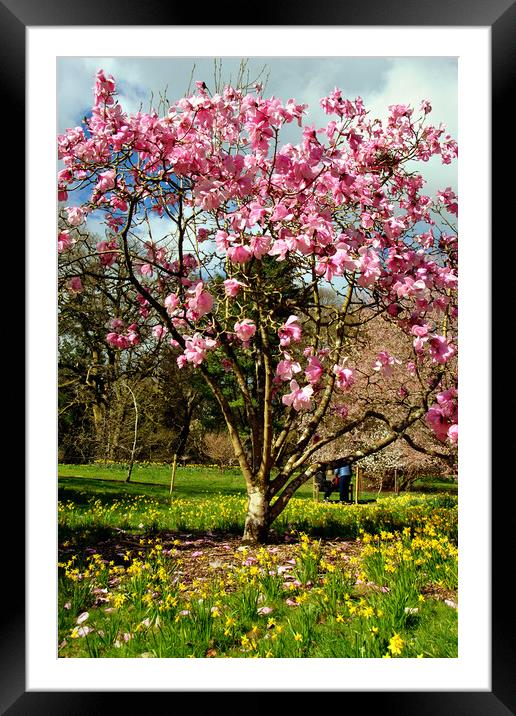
point(343, 475)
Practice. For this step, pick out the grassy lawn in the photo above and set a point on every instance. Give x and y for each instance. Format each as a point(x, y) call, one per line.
point(154, 480)
point(142, 575)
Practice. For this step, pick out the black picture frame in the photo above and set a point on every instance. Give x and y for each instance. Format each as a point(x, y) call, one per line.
point(500, 17)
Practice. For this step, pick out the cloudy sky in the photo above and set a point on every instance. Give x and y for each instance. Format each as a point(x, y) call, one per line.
point(379, 81)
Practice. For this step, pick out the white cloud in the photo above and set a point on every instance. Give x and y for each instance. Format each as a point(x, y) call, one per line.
point(411, 81)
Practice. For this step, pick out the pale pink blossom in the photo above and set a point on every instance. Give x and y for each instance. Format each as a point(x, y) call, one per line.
point(200, 303)
point(262, 611)
point(64, 241)
point(159, 331)
point(345, 377)
point(286, 368)
point(232, 287)
point(314, 371)
point(384, 363)
point(195, 349)
point(106, 180)
point(171, 303)
point(239, 254)
point(290, 331)
point(75, 215)
point(453, 433)
point(245, 329)
point(419, 331)
point(299, 398)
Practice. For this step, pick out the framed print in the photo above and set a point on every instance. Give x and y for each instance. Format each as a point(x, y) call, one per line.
point(47, 50)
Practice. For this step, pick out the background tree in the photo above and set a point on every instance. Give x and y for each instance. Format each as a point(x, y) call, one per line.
point(198, 205)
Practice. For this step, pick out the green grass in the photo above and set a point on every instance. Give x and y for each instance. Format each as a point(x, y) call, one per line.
point(154, 480)
point(95, 508)
point(124, 592)
point(372, 607)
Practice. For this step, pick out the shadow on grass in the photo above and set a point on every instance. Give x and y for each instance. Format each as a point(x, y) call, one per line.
point(83, 489)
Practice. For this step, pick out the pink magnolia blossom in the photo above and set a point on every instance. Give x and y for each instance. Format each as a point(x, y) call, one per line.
point(171, 303)
point(299, 398)
point(124, 341)
point(75, 215)
point(159, 331)
point(195, 349)
point(286, 368)
point(232, 287)
point(453, 433)
point(260, 245)
point(64, 241)
point(314, 371)
point(384, 363)
point(106, 180)
point(201, 301)
point(104, 88)
point(132, 334)
point(245, 329)
point(289, 331)
point(146, 270)
point(369, 265)
point(239, 254)
point(426, 106)
point(438, 422)
point(449, 199)
point(345, 377)
point(442, 416)
point(262, 611)
point(440, 350)
point(107, 252)
point(118, 203)
point(226, 364)
point(419, 331)
point(117, 324)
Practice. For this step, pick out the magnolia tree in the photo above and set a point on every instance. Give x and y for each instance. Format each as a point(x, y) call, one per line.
point(260, 263)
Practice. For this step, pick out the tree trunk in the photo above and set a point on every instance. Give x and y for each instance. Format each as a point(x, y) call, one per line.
point(185, 428)
point(99, 425)
point(257, 521)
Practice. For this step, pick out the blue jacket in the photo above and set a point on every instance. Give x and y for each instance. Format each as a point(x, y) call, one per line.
point(344, 470)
